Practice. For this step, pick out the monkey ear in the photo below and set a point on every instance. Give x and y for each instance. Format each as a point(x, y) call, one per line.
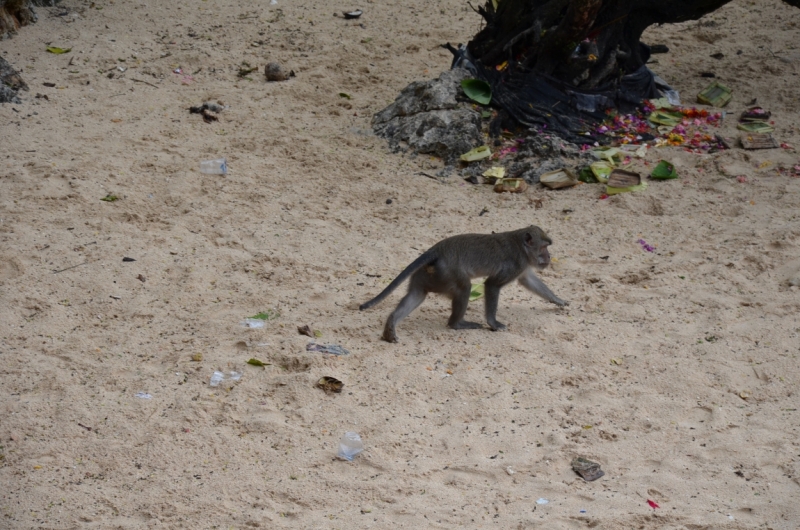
point(528, 238)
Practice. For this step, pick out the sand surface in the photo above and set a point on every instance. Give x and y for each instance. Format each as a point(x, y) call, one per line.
point(677, 370)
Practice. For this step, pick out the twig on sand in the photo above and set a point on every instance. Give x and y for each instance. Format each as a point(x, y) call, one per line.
point(68, 268)
point(143, 81)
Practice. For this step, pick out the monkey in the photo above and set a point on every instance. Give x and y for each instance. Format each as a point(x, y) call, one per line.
point(449, 266)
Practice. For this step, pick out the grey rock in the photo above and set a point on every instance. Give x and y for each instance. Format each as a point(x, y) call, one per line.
point(427, 118)
point(10, 83)
point(275, 72)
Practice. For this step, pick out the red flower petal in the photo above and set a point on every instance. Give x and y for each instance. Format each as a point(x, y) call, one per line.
point(652, 504)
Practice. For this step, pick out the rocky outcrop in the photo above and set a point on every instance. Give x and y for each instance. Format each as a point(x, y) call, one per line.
point(427, 118)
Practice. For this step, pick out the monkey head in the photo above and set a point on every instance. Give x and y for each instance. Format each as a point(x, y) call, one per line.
point(536, 243)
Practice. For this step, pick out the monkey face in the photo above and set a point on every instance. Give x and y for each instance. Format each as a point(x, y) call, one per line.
point(536, 243)
point(542, 256)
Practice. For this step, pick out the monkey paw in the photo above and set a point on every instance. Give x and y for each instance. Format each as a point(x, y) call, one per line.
point(497, 326)
point(389, 337)
point(560, 303)
point(464, 324)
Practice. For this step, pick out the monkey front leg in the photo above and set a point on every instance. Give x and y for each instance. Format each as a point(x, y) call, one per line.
point(532, 282)
point(491, 293)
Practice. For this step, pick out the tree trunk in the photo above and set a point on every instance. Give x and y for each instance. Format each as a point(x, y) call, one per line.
point(17, 13)
point(560, 62)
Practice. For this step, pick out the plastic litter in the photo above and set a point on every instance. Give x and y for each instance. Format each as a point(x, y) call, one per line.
point(645, 246)
point(350, 445)
point(143, 395)
point(542, 501)
point(253, 323)
point(219, 377)
point(352, 14)
point(218, 166)
point(333, 349)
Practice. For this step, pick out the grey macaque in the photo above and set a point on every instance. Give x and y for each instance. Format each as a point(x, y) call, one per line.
point(449, 266)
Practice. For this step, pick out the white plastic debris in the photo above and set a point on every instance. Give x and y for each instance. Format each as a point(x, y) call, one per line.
point(350, 445)
point(219, 377)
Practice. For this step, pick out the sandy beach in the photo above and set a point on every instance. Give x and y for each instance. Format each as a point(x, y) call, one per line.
point(676, 370)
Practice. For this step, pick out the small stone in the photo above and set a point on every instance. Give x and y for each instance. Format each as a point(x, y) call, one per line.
point(275, 72)
point(587, 469)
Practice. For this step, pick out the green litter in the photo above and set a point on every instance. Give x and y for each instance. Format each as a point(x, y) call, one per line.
point(476, 291)
point(601, 170)
point(715, 94)
point(664, 171)
point(110, 198)
point(560, 178)
point(586, 175)
point(663, 117)
point(477, 90)
point(612, 154)
point(613, 191)
point(479, 153)
point(621, 181)
point(661, 103)
point(494, 174)
point(265, 315)
point(58, 51)
point(760, 127)
point(256, 362)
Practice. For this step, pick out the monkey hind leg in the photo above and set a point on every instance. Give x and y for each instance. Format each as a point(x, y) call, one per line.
point(415, 296)
point(460, 302)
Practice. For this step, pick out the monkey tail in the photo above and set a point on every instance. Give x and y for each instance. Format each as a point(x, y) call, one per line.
point(425, 259)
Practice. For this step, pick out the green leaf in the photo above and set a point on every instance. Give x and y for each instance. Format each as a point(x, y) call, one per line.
point(110, 198)
point(344, 95)
point(256, 362)
point(57, 50)
point(266, 315)
point(477, 90)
